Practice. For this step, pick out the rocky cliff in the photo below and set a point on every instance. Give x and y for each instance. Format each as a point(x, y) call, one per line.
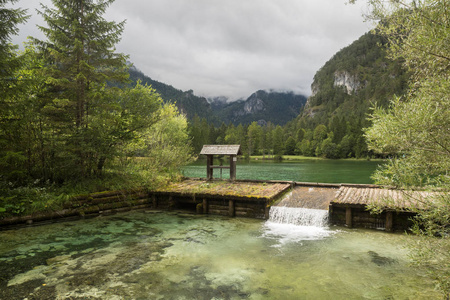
point(262, 107)
point(349, 82)
point(352, 79)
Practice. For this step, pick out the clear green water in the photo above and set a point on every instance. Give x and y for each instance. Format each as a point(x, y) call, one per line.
point(160, 255)
point(326, 171)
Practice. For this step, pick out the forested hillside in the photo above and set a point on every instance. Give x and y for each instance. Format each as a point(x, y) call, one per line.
point(263, 107)
point(330, 124)
point(187, 102)
point(344, 89)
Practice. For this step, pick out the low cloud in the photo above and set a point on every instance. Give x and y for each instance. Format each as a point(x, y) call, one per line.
point(229, 48)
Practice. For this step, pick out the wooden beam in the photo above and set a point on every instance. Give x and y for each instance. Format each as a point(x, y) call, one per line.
point(205, 206)
point(209, 167)
point(231, 208)
point(267, 212)
point(389, 221)
point(154, 201)
point(348, 217)
point(233, 167)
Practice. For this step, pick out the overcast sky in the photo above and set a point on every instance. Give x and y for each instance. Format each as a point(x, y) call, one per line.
point(229, 48)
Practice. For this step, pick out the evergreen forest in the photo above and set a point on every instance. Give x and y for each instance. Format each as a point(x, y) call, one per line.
point(71, 120)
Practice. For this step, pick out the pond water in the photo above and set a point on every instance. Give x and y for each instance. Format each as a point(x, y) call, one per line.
point(175, 255)
point(308, 170)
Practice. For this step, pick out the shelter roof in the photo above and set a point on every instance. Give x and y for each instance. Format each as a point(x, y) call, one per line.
point(221, 150)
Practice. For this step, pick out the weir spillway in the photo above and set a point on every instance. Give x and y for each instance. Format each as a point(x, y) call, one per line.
point(304, 206)
point(313, 197)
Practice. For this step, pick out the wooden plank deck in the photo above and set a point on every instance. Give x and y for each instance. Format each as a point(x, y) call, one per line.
point(387, 198)
point(236, 189)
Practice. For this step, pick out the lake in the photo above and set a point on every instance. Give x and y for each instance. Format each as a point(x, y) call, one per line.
point(307, 170)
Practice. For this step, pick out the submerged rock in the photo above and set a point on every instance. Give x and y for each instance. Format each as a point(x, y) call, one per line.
point(381, 260)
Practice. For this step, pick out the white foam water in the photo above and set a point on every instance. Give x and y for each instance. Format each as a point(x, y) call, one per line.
point(298, 216)
point(295, 224)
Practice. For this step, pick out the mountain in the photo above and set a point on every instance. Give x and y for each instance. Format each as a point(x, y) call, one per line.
point(353, 79)
point(343, 91)
point(188, 103)
point(262, 107)
point(275, 107)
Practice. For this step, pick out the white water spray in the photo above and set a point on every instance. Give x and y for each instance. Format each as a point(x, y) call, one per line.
point(298, 216)
point(296, 224)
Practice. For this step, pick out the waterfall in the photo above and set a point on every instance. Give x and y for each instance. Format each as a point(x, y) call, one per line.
point(298, 216)
point(296, 224)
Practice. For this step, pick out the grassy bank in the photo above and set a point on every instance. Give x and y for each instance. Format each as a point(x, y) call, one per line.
point(38, 196)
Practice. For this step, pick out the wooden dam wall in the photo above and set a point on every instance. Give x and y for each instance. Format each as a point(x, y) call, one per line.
point(347, 204)
point(216, 205)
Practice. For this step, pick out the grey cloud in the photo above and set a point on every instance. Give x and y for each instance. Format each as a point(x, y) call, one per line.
point(233, 47)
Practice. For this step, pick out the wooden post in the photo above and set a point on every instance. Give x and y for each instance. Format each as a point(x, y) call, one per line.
point(205, 206)
point(348, 217)
point(233, 167)
point(267, 212)
point(155, 202)
point(209, 169)
point(231, 208)
point(171, 204)
point(389, 221)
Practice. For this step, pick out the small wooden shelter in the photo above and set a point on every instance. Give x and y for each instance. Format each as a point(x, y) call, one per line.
point(231, 150)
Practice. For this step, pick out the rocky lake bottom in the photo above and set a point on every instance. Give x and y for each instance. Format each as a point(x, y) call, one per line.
point(176, 255)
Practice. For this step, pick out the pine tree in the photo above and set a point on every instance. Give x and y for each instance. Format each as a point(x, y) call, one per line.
point(9, 20)
point(80, 61)
point(11, 158)
point(80, 50)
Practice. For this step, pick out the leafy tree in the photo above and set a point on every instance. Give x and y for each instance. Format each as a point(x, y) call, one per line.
point(263, 141)
point(416, 126)
point(346, 146)
point(306, 148)
point(269, 128)
point(231, 135)
point(122, 118)
point(253, 137)
point(300, 134)
point(166, 143)
point(278, 141)
point(290, 146)
point(320, 133)
point(327, 148)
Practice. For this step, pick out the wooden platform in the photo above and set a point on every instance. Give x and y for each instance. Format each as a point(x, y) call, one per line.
point(388, 198)
point(350, 207)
